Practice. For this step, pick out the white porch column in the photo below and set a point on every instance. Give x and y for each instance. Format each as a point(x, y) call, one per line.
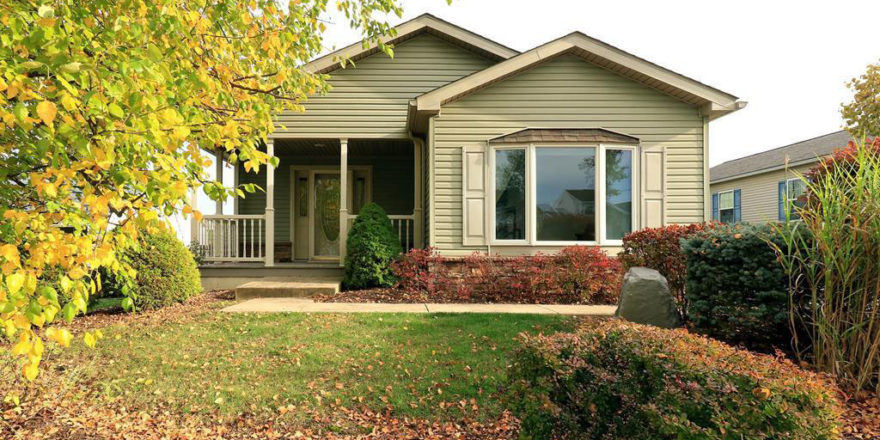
point(418, 227)
point(193, 223)
point(343, 199)
point(270, 205)
point(218, 176)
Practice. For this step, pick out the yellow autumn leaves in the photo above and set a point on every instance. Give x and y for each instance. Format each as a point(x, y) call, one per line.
point(95, 148)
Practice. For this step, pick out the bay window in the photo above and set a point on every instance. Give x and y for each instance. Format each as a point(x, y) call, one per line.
point(561, 195)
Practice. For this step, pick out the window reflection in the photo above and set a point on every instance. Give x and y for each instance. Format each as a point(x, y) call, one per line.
point(566, 194)
point(510, 194)
point(618, 193)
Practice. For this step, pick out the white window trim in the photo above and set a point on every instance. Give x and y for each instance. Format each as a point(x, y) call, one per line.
point(531, 190)
point(787, 203)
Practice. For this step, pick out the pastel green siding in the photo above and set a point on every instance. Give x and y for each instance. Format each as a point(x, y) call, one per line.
point(371, 99)
point(393, 186)
point(567, 92)
point(759, 196)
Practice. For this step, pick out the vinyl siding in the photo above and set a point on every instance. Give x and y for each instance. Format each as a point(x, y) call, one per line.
point(370, 100)
point(567, 92)
point(392, 176)
point(759, 193)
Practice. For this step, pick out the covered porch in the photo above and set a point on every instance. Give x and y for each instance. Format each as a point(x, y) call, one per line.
point(308, 203)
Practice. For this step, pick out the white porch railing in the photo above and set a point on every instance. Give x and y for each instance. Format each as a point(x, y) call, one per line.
point(403, 225)
point(232, 238)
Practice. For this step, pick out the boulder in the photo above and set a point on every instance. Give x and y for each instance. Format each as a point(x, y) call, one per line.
point(645, 299)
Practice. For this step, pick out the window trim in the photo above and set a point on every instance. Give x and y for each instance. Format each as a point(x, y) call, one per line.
point(531, 191)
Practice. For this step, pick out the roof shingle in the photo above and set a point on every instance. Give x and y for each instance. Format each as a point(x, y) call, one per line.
point(798, 152)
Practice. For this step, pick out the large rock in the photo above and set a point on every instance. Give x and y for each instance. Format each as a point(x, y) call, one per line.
point(645, 299)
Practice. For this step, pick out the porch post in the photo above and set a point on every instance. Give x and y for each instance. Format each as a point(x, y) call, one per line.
point(193, 223)
point(343, 199)
point(218, 170)
point(270, 205)
point(418, 229)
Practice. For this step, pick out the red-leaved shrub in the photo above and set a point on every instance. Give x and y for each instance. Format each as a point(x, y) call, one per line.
point(660, 249)
point(617, 380)
point(576, 275)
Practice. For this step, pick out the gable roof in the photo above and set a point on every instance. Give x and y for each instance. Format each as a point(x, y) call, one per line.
point(799, 153)
point(714, 103)
point(425, 23)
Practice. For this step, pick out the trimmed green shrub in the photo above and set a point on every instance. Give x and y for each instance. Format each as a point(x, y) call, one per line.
point(660, 249)
point(166, 271)
point(619, 380)
point(737, 289)
point(371, 248)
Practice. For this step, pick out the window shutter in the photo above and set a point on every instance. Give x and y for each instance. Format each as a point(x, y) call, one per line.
point(737, 212)
point(781, 200)
point(653, 188)
point(473, 194)
point(715, 206)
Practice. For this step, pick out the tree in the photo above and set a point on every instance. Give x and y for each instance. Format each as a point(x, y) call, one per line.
point(105, 106)
point(862, 115)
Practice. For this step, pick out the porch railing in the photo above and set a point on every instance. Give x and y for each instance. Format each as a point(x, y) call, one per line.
point(404, 228)
point(232, 238)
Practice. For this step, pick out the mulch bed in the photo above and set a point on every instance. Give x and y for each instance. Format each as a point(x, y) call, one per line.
point(396, 296)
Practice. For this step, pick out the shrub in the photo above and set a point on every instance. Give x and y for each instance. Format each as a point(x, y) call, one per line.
point(421, 273)
point(372, 247)
point(622, 380)
point(736, 287)
point(832, 258)
point(166, 271)
point(660, 249)
point(577, 274)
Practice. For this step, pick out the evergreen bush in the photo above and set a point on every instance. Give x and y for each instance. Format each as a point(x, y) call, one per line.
point(371, 248)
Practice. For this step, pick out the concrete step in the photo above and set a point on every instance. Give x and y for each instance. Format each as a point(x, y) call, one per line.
point(300, 287)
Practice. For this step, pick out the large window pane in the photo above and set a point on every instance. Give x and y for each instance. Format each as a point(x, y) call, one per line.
point(510, 194)
point(566, 194)
point(618, 193)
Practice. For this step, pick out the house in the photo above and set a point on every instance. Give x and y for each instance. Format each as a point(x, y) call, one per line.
point(758, 188)
point(464, 141)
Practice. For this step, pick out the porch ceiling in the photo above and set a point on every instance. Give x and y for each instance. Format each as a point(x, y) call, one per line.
point(330, 147)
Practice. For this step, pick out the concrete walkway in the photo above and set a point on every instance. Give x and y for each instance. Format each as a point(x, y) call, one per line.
point(302, 305)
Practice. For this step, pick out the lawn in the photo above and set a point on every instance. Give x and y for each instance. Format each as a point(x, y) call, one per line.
point(202, 362)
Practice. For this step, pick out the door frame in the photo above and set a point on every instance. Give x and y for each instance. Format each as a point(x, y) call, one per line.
point(310, 217)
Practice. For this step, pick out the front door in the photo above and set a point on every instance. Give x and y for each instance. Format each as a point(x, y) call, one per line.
point(325, 215)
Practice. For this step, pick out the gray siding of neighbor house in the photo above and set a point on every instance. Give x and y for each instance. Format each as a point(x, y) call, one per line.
point(392, 178)
point(370, 100)
point(567, 92)
point(759, 197)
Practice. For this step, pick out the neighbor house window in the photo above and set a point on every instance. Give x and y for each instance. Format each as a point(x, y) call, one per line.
point(557, 195)
point(726, 212)
point(792, 193)
point(726, 206)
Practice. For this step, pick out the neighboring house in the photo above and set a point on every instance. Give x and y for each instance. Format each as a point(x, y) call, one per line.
point(463, 141)
point(760, 187)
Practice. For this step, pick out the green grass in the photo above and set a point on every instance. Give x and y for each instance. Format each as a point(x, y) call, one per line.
point(438, 366)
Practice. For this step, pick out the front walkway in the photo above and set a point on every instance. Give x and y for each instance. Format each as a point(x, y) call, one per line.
point(302, 305)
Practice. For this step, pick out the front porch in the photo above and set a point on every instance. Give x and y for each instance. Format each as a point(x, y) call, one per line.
point(300, 221)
